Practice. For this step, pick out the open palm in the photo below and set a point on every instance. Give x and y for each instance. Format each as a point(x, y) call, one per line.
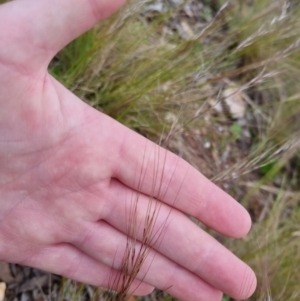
point(68, 174)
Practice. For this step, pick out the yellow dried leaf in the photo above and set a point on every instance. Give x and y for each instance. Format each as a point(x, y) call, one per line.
point(2, 290)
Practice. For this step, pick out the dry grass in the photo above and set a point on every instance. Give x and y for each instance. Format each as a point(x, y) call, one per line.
point(135, 256)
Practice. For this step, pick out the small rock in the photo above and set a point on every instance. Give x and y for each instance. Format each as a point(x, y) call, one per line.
point(234, 100)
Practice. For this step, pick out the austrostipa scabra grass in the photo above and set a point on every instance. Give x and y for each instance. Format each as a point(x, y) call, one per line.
point(144, 231)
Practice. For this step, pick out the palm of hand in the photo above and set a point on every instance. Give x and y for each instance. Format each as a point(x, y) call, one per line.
point(69, 172)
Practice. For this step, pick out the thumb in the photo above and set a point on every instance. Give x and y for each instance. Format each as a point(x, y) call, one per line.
point(33, 31)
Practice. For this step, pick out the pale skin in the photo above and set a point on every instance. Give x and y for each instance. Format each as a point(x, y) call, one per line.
point(68, 172)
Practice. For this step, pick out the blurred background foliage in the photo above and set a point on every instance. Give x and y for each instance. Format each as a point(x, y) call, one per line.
point(218, 83)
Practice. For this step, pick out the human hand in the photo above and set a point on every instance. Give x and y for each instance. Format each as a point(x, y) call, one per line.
point(68, 174)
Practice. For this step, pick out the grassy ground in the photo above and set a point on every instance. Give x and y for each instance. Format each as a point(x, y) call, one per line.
point(220, 88)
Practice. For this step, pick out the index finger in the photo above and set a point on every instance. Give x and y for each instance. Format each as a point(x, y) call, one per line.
point(152, 170)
